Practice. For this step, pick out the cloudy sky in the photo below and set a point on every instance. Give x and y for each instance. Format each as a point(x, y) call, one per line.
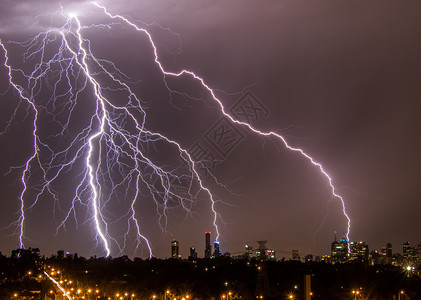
point(340, 80)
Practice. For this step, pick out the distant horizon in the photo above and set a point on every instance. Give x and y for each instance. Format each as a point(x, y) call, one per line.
point(202, 256)
point(125, 124)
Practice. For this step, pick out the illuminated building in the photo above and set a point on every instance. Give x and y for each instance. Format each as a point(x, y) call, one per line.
point(270, 254)
point(358, 251)
point(174, 249)
point(208, 248)
point(216, 251)
point(261, 251)
point(339, 250)
point(248, 251)
point(410, 254)
point(383, 251)
point(407, 250)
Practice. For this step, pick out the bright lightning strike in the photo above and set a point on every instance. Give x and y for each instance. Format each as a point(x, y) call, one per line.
point(112, 147)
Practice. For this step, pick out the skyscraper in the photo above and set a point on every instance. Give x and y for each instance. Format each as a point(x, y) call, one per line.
point(410, 253)
point(216, 251)
point(406, 247)
point(174, 249)
point(358, 251)
point(193, 253)
point(208, 247)
point(389, 252)
point(261, 251)
point(339, 250)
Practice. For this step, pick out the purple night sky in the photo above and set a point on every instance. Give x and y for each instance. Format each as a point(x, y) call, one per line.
point(340, 80)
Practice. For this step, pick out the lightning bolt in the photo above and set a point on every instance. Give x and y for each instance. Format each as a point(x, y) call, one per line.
point(114, 144)
point(247, 125)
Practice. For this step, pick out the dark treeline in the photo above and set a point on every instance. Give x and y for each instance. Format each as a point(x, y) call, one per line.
point(22, 273)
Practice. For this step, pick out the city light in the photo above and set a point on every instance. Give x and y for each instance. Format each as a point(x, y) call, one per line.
point(400, 294)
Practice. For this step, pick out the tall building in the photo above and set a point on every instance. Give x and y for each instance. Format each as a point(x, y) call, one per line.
point(193, 253)
point(174, 249)
point(389, 252)
point(410, 254)
point(208, 247)
point(339, 250)
point(216, 251)
point(406, 249)
point(358, 251)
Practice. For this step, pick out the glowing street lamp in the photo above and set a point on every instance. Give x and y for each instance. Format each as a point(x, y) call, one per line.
point(355, 293)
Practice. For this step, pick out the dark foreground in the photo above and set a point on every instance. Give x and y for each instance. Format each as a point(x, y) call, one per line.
point(22, 277)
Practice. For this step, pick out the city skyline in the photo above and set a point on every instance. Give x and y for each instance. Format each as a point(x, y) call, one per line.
point(344, 249)
point(338, 80)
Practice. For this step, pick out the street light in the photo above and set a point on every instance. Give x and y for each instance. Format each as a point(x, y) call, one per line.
point(401, 293)
point(355, 293)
